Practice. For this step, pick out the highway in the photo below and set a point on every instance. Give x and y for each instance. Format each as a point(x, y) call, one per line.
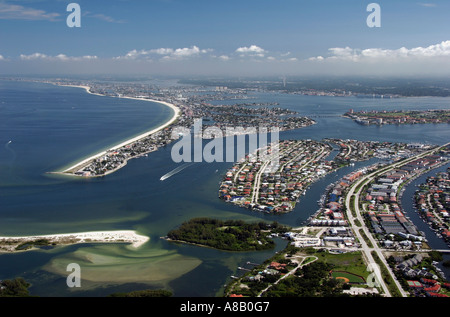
point(356, 194)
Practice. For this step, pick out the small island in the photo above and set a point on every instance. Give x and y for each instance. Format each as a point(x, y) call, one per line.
point(229, 235)
point(399, 117)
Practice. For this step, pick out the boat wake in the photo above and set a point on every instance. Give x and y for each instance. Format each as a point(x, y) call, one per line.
point(10, 150)
point(175, 171)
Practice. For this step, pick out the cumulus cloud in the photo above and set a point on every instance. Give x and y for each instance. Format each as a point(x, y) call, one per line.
point(258, 54)
point(252, 50)
point(59, 57)
point(165, 53)
point(18, 12)
point(188, 52)
point(377, 54)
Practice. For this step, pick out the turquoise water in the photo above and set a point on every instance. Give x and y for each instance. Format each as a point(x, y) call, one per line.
point(53, 127)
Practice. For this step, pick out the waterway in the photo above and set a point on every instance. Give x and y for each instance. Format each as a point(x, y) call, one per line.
point(408, 206)
point(52, 127)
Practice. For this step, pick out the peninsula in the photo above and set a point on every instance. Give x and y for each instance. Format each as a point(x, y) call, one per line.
point(189, 105)
point(111, 160)
point(276, 187)
point(399, 117)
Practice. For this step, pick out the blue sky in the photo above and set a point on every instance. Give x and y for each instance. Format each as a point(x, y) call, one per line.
point(212, 36)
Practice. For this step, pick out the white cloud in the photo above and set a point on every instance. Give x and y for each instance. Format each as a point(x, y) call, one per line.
point(187, 52)
point(252, 50)
point(256, 54)
point(33, 56)
point(317, 58)
point(134, 54)
point(102, 17)
point(166, 53)
point(18, 12)
point(59, 57)
point(162, 51)
point(377, 54)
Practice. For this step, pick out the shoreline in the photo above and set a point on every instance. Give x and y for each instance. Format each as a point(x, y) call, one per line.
point(9, 244)
point(69, 171)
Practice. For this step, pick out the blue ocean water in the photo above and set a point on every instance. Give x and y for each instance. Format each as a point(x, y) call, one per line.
point(53, 127)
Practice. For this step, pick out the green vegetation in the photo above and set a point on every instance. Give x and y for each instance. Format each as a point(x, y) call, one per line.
point(230, 235)
point(144, 293)
point(29, 244)
point(386, 276)
point(351, 262)
point(352, 206)
point(366, 239)
point(352, 278)
point(17, 287)
point(408, 116)
point(311, 280)
point(435, 256)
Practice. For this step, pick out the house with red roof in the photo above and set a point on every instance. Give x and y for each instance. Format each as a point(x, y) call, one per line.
point(431, 294)
point(435, 288)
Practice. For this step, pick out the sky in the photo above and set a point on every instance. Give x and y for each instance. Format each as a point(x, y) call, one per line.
point(232, 37)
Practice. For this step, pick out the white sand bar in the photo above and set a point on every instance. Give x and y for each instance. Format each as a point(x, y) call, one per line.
point(9, 244)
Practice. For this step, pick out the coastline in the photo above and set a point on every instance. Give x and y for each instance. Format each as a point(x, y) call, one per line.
point(9, 244)
point(70, 171)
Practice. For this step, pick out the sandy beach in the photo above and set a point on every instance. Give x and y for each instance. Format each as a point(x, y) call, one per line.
point(87, 88)
point(137, 138)
point(9, 244)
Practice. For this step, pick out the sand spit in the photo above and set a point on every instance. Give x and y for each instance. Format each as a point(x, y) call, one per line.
point(88, 160)
point(10, 244)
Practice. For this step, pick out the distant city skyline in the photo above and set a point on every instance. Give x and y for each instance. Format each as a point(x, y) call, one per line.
point(205, 37)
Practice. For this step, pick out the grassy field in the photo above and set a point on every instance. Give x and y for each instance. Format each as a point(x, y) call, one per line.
point(352, 278)
point(351, 262)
